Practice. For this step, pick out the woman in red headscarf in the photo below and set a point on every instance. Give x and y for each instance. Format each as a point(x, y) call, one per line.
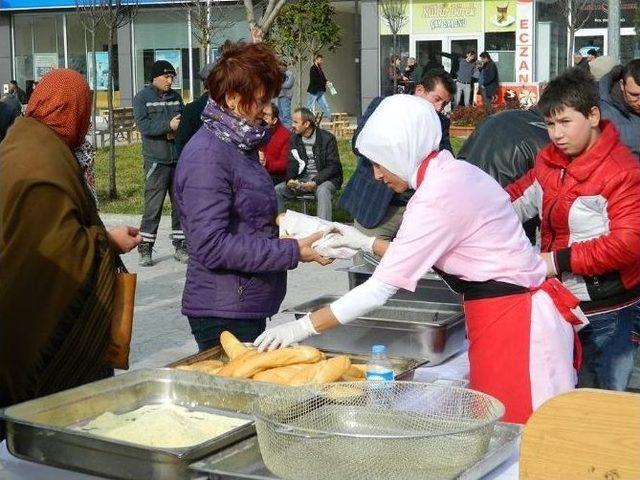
point(57, 260)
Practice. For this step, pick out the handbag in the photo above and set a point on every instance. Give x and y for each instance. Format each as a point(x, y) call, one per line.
point(124, 294)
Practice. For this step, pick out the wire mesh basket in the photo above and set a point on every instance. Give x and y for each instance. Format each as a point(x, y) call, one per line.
point(374, 430)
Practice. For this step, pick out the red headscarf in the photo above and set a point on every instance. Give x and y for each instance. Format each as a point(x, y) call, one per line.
point(62, 102)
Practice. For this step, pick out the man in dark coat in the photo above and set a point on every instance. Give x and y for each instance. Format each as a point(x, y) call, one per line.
point(190, 121)
point(314, 164)
point(316, 91)
point(156, 109)
point(377, 210)
point(489, 80)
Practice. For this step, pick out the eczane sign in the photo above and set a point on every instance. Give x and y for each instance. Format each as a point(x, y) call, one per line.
point(524, 41)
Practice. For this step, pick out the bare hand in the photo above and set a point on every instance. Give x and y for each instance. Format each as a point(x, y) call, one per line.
point(308, 186)
point(123, 239)
point(308, 254)
point(174, 123)
point(262, 158)
point(549, 262)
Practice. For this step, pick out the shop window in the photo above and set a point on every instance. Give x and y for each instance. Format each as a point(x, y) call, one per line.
point(386, 55)
point(39, 47)
point(629, 48)
point(550, 40)
point(502, 48)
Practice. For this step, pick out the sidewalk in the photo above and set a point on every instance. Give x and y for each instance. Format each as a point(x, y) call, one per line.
point(161, 333)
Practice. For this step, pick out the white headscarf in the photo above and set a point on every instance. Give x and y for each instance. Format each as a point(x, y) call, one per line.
point(399, 134)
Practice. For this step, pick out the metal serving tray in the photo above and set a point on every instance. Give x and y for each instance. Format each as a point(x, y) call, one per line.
point(426, 330)
point(404, 368)
point(430, 288)
point(39, 430)
point(244, 461)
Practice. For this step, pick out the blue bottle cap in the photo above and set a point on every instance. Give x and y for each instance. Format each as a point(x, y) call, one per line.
point(378, 349)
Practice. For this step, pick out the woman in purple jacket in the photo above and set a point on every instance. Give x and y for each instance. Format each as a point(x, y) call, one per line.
point(237, 272)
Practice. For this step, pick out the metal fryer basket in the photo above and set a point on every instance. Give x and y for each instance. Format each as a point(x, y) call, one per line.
point(375, 430)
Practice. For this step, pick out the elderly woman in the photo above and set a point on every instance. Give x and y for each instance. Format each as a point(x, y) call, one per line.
point(57, 261)
point(461, 223)
point(237, 270)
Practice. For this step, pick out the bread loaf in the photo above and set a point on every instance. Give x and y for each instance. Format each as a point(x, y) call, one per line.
point(231, 366)
point(249, 366)
point(356, 370)
point(205, 366)
point(322, 372)
point(231, 345)
point(280, 375)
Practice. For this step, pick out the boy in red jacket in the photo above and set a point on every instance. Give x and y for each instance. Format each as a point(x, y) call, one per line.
point(274, 156)
point(585, 187)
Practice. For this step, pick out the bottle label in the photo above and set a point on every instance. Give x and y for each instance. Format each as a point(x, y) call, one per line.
point(385, 375)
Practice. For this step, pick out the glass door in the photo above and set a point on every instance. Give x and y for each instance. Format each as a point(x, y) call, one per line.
point(428, 54)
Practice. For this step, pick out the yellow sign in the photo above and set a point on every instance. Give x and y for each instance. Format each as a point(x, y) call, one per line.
point(500, 16)
point(447, 16)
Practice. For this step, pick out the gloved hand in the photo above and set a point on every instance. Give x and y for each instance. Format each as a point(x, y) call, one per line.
point(352, 238)
point(285, 334)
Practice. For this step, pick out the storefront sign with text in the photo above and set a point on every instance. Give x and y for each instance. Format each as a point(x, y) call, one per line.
point(451, 16)
point(524, 41)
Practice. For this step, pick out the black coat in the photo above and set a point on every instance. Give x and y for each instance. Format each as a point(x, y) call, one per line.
point(490, 78)
point(317, 80)
point(327, 157)
point(190, 121)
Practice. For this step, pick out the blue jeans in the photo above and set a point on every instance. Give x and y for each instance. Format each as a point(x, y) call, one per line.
point(207, 330)
point(322, 101)
point(284, 104)
point(607, 350)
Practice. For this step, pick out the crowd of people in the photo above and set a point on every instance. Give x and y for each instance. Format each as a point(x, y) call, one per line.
point(557, 315)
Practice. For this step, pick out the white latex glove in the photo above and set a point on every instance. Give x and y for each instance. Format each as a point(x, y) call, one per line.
point(352, 238)
point(285, 334)
point(549, 261)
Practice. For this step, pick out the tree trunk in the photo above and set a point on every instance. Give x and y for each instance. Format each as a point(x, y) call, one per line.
point(571, 46)
point(113, 192)
point(94, 107)
point(392, 68)
point(300, 81)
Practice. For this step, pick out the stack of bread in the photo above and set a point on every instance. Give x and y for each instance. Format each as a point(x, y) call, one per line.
point(299, 365)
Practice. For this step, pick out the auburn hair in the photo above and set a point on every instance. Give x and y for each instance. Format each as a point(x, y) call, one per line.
point(248, 70)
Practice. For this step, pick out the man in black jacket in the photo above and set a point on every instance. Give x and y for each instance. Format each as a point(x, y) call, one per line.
point(191, 120)
point(314, 164)
point(318, 87)
point(157, 109)
point(488, 81)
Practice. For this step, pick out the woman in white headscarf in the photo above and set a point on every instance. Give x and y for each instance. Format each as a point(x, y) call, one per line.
point(461, 223)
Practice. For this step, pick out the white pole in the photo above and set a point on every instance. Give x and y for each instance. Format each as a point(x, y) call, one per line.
point(613, 30)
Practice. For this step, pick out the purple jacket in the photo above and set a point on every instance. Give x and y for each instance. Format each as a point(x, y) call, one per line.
point(227, 203)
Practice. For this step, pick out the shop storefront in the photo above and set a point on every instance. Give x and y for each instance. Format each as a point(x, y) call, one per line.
point(39, 35)
point(527, 39)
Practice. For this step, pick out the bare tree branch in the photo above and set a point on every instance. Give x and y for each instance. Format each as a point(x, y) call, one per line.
point(266, 23)
point(251, 14)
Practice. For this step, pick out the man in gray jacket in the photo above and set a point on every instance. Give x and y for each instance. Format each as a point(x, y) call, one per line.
point(157, 109)
point(620, 102)
point(284, 98)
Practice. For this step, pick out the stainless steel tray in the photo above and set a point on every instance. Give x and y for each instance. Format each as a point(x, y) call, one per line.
point(404, 368)
point(430, 288)
point(39, 430)
point(426, 330)
point(244, 461)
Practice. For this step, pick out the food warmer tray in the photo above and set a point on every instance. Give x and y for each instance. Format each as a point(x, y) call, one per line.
point(39, 430)
point(429, 331)
point(244, 461)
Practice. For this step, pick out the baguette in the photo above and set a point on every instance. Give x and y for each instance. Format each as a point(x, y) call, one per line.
point(322, 372)
point(231, 345)
point(247, 367)
point(356, 371)
point(280, 375)
point(231, 366)
point(205, 366)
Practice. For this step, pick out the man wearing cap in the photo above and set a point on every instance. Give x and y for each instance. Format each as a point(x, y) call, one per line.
point(157, 110)
point(191, 119)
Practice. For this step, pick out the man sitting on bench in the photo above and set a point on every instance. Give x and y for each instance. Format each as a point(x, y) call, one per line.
point(314, 164)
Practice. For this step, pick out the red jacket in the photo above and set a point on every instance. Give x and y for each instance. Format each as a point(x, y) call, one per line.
point(589, 209)
point(276, 152)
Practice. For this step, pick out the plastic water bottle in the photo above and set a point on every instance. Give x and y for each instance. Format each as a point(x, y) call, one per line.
point(379, 367)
